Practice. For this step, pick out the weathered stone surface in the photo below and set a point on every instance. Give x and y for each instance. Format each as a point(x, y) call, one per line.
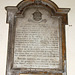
point(37, 43)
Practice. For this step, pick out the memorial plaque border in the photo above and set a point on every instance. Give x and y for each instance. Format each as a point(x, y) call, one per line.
point(17, 11)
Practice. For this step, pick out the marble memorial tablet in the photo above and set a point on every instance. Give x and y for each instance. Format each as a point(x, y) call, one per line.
point(37, 42)
point(36, 38)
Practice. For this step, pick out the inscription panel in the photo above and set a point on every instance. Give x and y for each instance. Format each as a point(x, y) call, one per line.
point(37, 41)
